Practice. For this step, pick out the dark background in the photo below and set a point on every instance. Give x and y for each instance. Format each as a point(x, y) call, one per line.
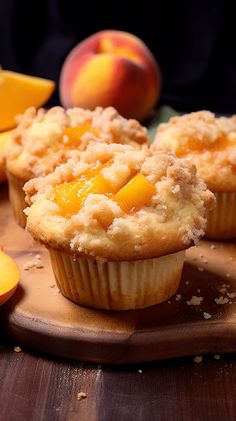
point(193, 41)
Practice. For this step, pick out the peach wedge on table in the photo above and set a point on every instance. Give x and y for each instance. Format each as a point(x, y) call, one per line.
point(111, 68)
point(18, 92)
point(9, 277)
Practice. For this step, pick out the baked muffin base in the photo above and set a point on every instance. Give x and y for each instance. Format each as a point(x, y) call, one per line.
point(117, 285)
point(17, 198)
point(221, 221)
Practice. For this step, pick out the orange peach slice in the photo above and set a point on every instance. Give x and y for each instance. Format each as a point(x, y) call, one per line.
point(135, 194)
point(9, 277)
point(18, 92)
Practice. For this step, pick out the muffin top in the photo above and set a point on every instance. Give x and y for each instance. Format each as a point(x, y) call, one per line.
point(45, 139)
point(209, 142)
point(119, 203)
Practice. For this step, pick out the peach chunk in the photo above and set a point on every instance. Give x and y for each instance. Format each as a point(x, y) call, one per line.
point(9, 277)
point(18, 92)
point(74, 133)
point(111, 68)
point(70, 196)
point(135, 194)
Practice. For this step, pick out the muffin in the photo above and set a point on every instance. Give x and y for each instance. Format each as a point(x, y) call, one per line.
point(116, 224)
point(45, 139)
point(210, 143)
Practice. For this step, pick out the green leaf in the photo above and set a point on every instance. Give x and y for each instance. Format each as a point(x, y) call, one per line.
point(162, 115)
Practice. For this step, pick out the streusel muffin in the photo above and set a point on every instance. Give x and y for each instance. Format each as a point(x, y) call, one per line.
point(117, 222)
point(45, 139)
point(210, 143)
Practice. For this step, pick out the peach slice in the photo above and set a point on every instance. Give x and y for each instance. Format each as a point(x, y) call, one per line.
point(9, 277)
point(18, 92)
point(135, 194)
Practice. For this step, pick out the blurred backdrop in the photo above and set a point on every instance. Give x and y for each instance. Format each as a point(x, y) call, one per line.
point(193, 42)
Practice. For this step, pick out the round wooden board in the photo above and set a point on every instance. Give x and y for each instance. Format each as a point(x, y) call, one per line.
point(39, 317)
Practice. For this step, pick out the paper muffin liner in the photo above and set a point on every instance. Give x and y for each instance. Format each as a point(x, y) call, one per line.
point(117, 285)
point(221, 221)
point(17, 198)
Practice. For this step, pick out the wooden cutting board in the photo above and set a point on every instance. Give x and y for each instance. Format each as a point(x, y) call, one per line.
point(39, 317)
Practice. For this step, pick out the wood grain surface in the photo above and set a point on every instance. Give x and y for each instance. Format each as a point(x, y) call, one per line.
point(36, 388)
point(39, 317)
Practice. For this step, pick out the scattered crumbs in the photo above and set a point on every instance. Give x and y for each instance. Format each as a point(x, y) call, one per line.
point(212, 246)
point(36, 262)
point(195, 301)
point(205, 261)
point(223, 290)
point(202, 256)
point(140, 371)
point(225, 285)
point(52, 285)
point(221, 300)
point(81, 395)
point(198, 290)
point(57, 292)
point(200, 269)
point(217, 357)
point(231, 294)
point(186, 282)
point(169, 302)
point(207, 315)
point(227, 275)
point(178, 297)
point(198, 359)
point(17, 349)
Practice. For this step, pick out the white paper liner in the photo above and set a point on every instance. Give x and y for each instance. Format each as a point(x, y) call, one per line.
point(221, 221)
point(17, 198)
point(117, 285)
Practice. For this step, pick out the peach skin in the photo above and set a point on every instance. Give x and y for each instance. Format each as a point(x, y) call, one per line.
point(9, 277)
point(111, 68)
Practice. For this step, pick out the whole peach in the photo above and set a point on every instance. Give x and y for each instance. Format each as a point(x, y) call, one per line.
point(111, 68)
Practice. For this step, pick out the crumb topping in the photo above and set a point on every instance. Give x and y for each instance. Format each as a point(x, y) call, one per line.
point(45, 139)
point(209, 142)
point(171, 220)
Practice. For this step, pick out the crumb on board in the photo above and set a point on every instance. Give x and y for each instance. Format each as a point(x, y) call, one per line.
point(212, 246)
point(194, 301)
point(17, 349)
point(81, 395)
point(186, 282)
point(217, 356)
point(178, 297)
point(35, 262)
point(231, 294)
point(207, 315)
point(201, 269)
point(227, 275)
point(140, 371)
point(198, 359)
point(221, 300)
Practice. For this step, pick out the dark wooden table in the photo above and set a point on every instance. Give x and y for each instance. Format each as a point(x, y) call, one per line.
point(39, 387)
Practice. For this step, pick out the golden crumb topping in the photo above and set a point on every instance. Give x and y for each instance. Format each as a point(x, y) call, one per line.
point(209, 142)
point(45, 139)
point(119, 203)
